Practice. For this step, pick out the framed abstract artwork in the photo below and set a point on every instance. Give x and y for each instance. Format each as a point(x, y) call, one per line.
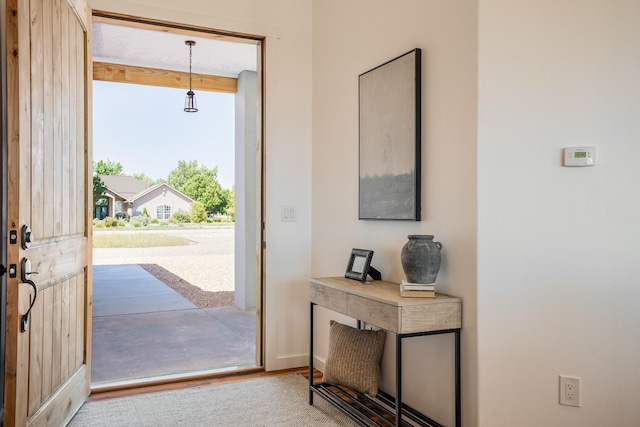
point(390, 139)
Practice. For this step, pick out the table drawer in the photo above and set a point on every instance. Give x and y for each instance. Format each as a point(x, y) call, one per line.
point(377, 313)
point(436, 318)
point(332, 299)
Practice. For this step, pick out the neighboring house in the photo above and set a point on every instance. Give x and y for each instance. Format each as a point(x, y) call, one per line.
point(120, 188)
point(131, 195)
point(161, 201)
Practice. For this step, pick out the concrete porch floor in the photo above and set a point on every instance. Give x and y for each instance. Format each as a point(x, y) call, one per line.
point(142, 328)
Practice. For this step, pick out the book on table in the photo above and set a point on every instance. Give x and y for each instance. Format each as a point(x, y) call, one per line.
point(417, 294)
point(417, 290)
point(418, 286)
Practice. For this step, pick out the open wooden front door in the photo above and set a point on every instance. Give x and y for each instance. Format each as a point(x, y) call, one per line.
point(49, 189)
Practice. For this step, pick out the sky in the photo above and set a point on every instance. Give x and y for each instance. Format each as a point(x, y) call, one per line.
point(145, 129)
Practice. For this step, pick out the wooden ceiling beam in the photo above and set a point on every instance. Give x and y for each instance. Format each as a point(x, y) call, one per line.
point(164, 78)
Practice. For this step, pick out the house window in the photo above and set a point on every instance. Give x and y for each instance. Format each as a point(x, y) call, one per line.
point(163, 212)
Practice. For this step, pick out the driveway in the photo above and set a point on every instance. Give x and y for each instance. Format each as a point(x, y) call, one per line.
point(208, 262)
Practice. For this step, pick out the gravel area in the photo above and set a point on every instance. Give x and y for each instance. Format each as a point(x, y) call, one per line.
point(202, 272)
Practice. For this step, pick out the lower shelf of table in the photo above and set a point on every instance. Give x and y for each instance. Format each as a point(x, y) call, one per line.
point(367, 411)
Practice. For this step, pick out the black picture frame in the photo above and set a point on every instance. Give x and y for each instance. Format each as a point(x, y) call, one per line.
point(390, 139)
point(359, 264)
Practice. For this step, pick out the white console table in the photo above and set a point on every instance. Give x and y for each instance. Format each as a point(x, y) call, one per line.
point(379, 303)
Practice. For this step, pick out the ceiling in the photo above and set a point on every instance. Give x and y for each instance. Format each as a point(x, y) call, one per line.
point(165, 50)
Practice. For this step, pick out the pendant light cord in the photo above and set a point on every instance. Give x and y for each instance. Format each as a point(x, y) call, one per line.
point(190, 46)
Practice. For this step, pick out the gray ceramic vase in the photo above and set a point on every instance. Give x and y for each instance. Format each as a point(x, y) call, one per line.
point(420, 258)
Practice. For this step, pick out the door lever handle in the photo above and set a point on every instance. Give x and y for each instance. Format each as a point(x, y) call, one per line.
point(25, 266)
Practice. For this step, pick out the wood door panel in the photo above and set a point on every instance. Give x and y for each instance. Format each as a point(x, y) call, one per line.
point(48, 120)
point(78, 178)
point(36, 354)
point(65, 120)
point(53, 344)
point(49, 189)
point(53, 411)
point(58, 261)
point(58, 143)
point(83, 328)
point(36, 220)
point(57, 167)
point(47, 342)
point(56, 325)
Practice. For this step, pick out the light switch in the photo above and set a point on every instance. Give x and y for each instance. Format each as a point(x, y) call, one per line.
point(288, 214)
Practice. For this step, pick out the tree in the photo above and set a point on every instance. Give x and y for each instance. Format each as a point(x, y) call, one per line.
point(198, 213)
point(186, 170)
point(231, 203)
point(98, 189)
point(201, 184)
point(205, 189)
point(102, 167)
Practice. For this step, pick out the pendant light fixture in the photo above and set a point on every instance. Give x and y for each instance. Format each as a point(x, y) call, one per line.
point(190, 105)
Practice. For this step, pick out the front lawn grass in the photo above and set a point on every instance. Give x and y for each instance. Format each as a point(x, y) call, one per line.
point(136, 240)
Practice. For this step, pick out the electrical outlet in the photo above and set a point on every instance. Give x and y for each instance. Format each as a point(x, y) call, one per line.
point(569, 391)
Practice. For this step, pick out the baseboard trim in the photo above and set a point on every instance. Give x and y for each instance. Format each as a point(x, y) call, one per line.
point(288, 362)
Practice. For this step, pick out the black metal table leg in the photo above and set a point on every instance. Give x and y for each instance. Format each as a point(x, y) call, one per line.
point(398, 380)
point(311, 353)
point(458, 380)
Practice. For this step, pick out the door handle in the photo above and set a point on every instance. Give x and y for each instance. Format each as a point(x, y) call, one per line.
point(25, 271)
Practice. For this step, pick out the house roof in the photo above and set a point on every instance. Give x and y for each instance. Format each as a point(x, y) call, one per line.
point(123, 185)
point(154, 188)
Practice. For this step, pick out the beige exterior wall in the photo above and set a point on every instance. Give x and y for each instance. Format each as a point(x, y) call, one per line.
point(163, 196)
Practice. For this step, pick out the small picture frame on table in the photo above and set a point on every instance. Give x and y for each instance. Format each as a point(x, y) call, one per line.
point(359, 266)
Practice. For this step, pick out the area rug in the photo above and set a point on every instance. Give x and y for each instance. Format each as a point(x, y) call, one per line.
point(270, 401)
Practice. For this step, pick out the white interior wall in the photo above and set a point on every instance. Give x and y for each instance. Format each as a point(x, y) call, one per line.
point(558, 247)
point(556, 271)
point(286, 24)
point(350, 38)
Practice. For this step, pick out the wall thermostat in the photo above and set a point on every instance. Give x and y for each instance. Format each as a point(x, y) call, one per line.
point(580, 156)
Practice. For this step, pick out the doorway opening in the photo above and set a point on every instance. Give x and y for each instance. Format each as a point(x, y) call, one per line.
point(177, 251)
